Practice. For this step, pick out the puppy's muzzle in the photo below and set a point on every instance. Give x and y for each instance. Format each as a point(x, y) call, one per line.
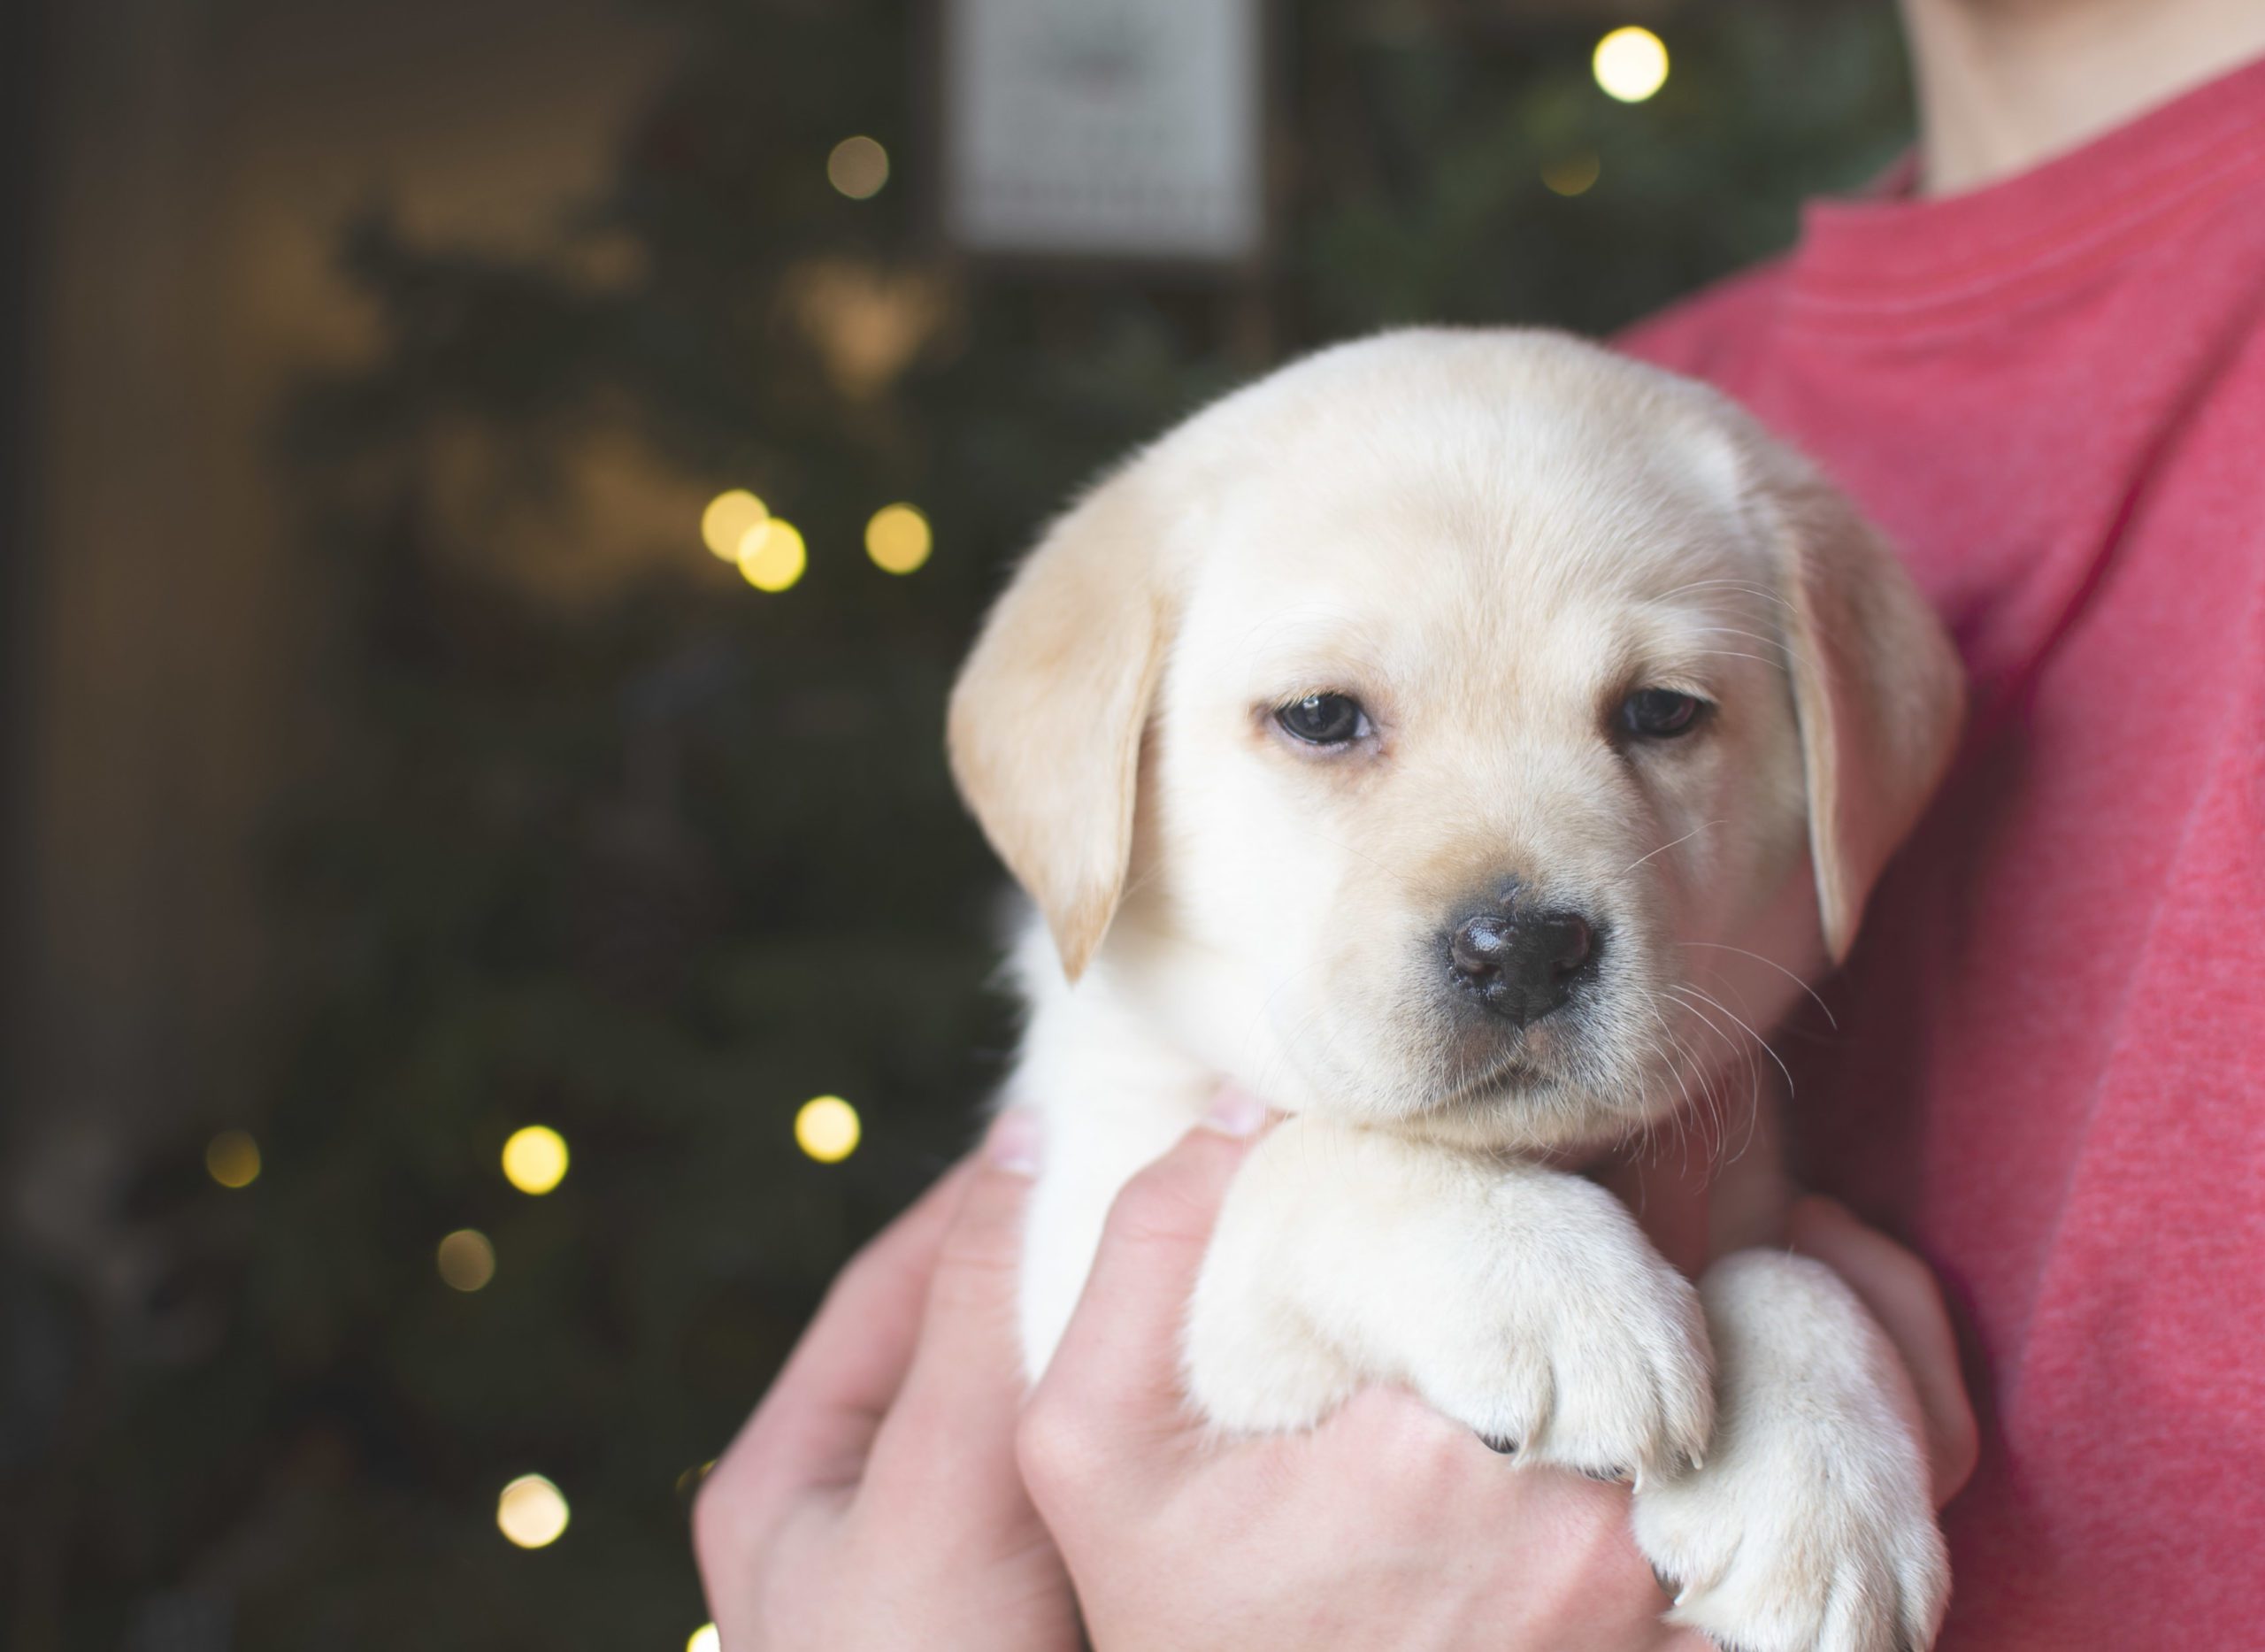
point(1519, 961)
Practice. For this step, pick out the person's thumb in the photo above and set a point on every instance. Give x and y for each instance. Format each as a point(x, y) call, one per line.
point(1113, 1386)
point(955, 1418)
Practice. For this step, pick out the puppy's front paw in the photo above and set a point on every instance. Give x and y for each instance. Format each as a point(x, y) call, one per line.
point(1524, 1303)
point(1577, 1344)
point(1809, 1529)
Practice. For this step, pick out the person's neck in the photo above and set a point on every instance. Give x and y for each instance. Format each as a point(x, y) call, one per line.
point(2004, 84)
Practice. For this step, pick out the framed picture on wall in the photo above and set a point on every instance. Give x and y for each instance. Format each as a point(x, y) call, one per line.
point(1122, 130)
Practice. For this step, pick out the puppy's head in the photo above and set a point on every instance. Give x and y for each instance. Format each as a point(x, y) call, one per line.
point(1476, 731)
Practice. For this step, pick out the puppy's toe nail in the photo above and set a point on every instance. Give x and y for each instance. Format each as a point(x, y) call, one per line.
point(1609, 1476)
point(1669, 1586)
point(1502, 1443)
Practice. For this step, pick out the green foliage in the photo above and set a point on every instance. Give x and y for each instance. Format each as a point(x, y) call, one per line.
point(655, 870)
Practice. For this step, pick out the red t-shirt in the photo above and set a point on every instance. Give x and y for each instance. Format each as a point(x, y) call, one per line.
point(2050, 1071)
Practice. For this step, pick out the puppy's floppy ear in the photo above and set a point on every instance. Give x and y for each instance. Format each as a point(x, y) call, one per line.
point(1878, 687)
point(1047, 718)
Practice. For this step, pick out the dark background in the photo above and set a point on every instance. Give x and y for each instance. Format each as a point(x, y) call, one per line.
point(388, 765)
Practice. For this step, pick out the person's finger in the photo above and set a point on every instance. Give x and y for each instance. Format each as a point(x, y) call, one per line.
point(953, 1425)
point(1118, 1364)
point(1900, 1291)
point(815, 1424)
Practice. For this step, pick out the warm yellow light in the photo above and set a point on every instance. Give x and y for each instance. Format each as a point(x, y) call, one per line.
point(1575, 174)
point(705, 1639)
point(1631, 64)
point(773, 556)
point(233, 1158)
point(534, 1159)
point(826, 1128)
point(728, 519)
point(897, 539)
point(467, 1260)
point(530, 1511)
point(858, 167)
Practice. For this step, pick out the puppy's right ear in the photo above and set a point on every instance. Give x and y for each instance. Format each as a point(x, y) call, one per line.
point(1048, 716)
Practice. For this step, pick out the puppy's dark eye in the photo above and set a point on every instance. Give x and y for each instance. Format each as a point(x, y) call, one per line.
point(1661, 713)
point(1324, 719)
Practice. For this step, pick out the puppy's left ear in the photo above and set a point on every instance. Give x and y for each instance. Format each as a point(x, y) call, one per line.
point(1878, 687)
point(1047, 719)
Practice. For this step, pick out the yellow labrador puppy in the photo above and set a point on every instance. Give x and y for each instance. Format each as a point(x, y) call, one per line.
point(1465, 741)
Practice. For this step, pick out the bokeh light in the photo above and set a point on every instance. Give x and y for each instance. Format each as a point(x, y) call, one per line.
point(531, 1512)
point(1631, 64)
point(232, 1158)
point(688, 1482)
point(534, 1159)
point(728, 519)
point(1574, 174)
point(827, 1129)
point(466, 1260)
point(858, 167)
point(773, 556)
point(705, 1639)
point(898, 539)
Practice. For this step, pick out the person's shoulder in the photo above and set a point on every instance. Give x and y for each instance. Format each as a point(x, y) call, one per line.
point(1711, 333)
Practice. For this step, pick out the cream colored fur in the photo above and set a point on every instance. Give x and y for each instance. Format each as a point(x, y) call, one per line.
point(1491, 539)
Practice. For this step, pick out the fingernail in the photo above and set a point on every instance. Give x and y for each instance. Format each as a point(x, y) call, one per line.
point(1235, 1111)
point(1014, 1141)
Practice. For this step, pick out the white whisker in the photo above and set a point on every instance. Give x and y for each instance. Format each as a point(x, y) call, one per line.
point(1735, 585)
point(1663, 848)
point(1763, 1043)
point(1722, 947)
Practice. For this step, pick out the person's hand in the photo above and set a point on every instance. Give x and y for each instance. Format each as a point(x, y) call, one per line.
point(872, 1500)
point(1388, 1525)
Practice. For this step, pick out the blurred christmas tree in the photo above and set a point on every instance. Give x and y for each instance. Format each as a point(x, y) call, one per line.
point(607, 841)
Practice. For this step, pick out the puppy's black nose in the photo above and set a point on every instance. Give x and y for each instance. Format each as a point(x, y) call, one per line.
point(1520, 963)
